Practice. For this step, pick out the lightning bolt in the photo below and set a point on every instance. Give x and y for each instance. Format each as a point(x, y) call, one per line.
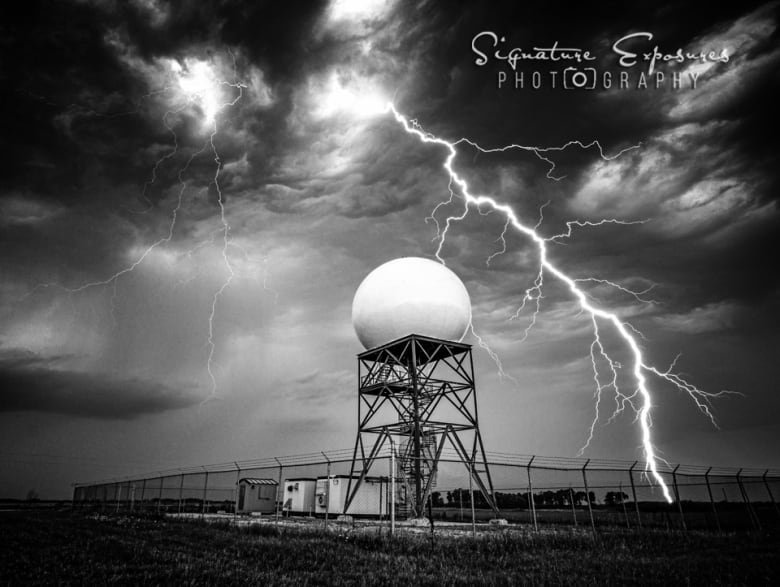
point(192, 97)
point(225, 245)
point(112, 280)
point(639, 367)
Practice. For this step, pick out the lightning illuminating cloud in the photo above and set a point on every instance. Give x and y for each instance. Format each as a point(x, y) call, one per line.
point(600, 317)
point(199, 86)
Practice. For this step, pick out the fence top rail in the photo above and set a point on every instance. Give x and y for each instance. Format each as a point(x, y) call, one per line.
point(551, 463)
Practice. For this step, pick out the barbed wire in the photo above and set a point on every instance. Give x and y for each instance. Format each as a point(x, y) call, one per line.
point(500, 459)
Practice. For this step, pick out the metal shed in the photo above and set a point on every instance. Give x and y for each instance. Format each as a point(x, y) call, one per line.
point(299, 496)
point(257, 495)
point(370, 500)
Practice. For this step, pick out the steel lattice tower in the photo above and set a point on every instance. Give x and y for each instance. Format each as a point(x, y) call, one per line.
point(419, 392)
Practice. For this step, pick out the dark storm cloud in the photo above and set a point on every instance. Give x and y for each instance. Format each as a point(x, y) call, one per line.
point(31, 383)
point(67, 141)
point(314, 201)
point(441, 42)
point(279, 36)
point(55, 62)
point(730, 263)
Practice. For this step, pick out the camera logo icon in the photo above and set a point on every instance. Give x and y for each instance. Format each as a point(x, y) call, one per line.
point(579, 79)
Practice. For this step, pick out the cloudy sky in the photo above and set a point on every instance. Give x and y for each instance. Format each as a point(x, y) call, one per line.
point(192, 192)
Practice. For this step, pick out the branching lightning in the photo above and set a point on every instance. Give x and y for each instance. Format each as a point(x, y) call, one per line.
point(198, 85)
point(605, 369)
point(640, 399)
point(225, 246)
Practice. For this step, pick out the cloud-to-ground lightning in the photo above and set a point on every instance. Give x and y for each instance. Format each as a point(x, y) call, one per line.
point(199, 87)
point(598, 315)
point(225, 246)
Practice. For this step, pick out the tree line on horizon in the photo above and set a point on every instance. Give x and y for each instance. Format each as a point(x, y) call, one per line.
point(543, 499)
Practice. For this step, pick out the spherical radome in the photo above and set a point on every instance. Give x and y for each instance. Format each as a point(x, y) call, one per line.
point(410, 295)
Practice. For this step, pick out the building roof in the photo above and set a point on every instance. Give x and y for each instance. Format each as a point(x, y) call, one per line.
point(255, 481)
point(355, 477)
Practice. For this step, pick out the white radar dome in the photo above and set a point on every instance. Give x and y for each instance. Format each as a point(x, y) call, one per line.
point(410, 295)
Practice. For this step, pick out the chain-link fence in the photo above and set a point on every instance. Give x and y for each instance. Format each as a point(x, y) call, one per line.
point(530, 491)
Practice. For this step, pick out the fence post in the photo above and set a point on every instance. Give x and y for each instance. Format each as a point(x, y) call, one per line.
point(73, 501)
point(430, 519)
point(278, 489)
point(633, 493)
point(392, 486)
point(143, 492)
point(623, 503)
point(677, 496)
point(181, 491)
point(205, 491)
point(712, 500)
point(279, 493)
point(587, 496)
point(118, 494)
point(769, 491)
point(238, 479)
point(571, 502)
point(531, 504)
point(159, 495)
point(327, 491)
point(751, 514)
point(471, 499)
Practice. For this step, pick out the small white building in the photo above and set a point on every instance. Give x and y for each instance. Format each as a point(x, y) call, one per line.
point(370, 500)
point(299, 496)
point(257, 495)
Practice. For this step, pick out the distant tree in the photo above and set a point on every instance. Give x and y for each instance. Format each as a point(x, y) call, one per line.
point(32, 495)
point(458, 496)
point(546, 498)
point(436, 499)
point(562, 497)
point(615, 497)
point(559, 498)
point(511, 500)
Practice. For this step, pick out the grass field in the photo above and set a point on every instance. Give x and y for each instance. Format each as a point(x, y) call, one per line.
point(71, 548)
